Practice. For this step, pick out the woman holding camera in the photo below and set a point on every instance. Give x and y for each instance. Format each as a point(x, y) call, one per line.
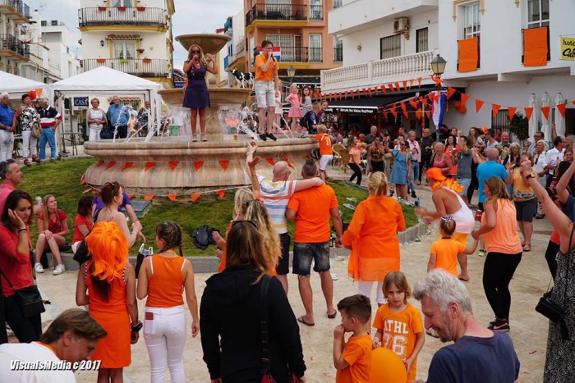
point(197, 97)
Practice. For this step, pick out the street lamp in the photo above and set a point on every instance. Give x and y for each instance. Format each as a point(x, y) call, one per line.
point(438, 65)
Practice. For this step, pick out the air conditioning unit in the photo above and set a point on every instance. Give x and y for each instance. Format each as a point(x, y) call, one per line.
point(401, 25)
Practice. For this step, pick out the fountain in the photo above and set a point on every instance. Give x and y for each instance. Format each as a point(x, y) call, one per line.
point(175, 165)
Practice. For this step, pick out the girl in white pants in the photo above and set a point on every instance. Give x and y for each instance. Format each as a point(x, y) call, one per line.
point(29, 145)
point(163, 278)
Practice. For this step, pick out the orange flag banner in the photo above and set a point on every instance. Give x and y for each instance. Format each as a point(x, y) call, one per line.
point(393, 111)
point(173, 164)
point(535, 46)
point(464, 99)
point(149, 165)
point(149, 197)
point(369, 91)
point(413, 104)
point(221, 193)
point(196, 196)
point(495, 109)
point(528, 112)
point(224, 164)
point(404, 82)
point(450, 92)
point(418, 114)
point(128, 165)
point(428, 114)
point(511, 111)
point(545, 110)
point(424, 101)
point(110, 165)
point(468, 54)
point(383, 89)
point(561, 109)
point(478, 104)
point(198, 164)
point(271, 161)
point(397, 86)
point(404, 109)
point(172, 197)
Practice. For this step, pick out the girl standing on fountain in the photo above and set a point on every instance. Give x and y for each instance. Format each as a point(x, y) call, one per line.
point(197, 96)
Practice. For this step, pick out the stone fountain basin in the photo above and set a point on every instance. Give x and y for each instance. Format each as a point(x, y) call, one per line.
point(218, 96)
point(162, 180)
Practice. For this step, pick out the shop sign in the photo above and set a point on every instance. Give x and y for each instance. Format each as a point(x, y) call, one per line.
point(567, 48)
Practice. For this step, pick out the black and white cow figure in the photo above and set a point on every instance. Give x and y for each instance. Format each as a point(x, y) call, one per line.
point(244, 78)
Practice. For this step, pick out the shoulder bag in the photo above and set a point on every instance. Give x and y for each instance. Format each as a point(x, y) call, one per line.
point(30, 299)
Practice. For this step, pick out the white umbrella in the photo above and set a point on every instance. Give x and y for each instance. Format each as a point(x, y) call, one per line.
point(559, 119)
point(545, 123)
point(534, 121)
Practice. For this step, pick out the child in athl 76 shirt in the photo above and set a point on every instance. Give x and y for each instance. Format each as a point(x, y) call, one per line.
point(399, 325)
point(352, 359)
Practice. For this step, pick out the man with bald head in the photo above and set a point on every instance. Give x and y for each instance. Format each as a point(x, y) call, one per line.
point(488, 169)
point(275, 194)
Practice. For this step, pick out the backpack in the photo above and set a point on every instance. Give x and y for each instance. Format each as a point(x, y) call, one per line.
point(202, 236)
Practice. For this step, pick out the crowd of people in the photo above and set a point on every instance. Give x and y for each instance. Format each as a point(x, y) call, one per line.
point(244, 318)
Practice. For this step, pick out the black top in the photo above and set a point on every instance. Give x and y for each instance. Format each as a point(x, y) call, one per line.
point(230, 332)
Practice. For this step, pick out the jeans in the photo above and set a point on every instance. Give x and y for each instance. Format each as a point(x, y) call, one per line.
point(497, 273)
point(356, 173)
point(465, 182)
point(364, 288)
point(165, 337)
point(48, 135)
point(6, 145)
point(414, 175)
point(29, 144)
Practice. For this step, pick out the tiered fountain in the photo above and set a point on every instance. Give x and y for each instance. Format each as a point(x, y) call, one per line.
point(173, 158)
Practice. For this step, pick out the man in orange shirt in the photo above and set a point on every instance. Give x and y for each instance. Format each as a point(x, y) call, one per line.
point(325, 150)
point(266, 75)
point(312, 209)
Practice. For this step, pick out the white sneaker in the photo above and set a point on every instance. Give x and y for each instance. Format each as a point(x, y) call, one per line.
point(334, 276)
point(59, 269)
point(38, 268)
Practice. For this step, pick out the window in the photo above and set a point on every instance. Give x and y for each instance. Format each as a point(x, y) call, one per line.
point(337, 49)
point(421, 40)
point(316, 10)
point(537, 13)
point(471, 23)
point(291, 46)
point(500, 122)
point(125, 50)
point(337, 3)
point(122, 3)
point(390, 46)
point(315, 48)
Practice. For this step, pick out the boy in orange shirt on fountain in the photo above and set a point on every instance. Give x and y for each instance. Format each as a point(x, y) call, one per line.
point(444, 251)
point(353, 359)
point(325, 150)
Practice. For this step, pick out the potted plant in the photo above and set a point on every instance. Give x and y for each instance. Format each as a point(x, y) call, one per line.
point(102, 8)
point(140, 50)
point(141, 9)
point(147, 60)
point(100, 61)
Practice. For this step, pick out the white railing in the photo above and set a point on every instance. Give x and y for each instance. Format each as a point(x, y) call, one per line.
point(373, 73)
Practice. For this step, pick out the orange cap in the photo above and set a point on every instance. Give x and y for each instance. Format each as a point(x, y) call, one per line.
point(434, 174)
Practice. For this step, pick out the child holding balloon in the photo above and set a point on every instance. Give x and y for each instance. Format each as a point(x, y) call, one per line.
point(399, 325)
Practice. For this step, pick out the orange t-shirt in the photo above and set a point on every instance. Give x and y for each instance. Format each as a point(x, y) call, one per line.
point(504, 238)
point(357, 353)
point(399, 332)
point(324, 144)
point(166, 284)
point(267, 75)
point(312, 207)
point(372, 236)
point(446, 251)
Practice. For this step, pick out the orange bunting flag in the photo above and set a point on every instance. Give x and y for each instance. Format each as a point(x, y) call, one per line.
point(224, 164)
point(436, 79)
point(428, 114)
point(100, 163)
point(196, 196)
point(561, 109)
point(198, 164)
point(397, 86)
point(149, 165)
point(464, 99)
point(128, 165)
point(393, 111)
point(528, 112)
point(383, 89)
point(391, 87)
point(511, 111)
point(450, 92)
point(545, 110)
point(410, 84)
point(271, 161)
point(418, 114)
point(478, 104)
point(404, 109)
point(149, 197)
point(431, 96)
point(221, 193)
point(172, 197)
point(369, 91)
point(495, 109)
point(413, 103)
point(404, 82)
point(424, 101)
point(173, 164)
point(419, 80)
point(110, 165)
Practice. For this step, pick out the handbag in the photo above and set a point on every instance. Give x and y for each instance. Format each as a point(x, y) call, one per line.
point(36, 130)
point(553, 310)
point(142, 254)
point(30, 299)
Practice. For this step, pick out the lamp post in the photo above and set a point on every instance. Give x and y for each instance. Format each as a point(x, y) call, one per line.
point(291, 73)
point(438, 68)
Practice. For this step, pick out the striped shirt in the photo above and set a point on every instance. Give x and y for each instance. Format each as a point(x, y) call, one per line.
point(275, 196)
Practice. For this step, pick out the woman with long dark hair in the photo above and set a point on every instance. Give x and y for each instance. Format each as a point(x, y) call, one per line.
point(16, 265)
point(232, 310)
point(112, 196)
point(107, 284)
point(52, 231)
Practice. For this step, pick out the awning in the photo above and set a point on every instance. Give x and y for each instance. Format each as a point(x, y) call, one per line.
point(367, 105)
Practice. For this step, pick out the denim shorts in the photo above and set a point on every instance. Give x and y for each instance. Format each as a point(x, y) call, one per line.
point(304, 253)
point(265, 94)
point(465, 182)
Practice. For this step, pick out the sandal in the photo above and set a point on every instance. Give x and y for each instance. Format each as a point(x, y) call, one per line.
point(332, 315)
point(527, 248)
point(303, 321)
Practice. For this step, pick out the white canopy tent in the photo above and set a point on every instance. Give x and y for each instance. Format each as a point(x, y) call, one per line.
point(15, 84)
point(108, 81)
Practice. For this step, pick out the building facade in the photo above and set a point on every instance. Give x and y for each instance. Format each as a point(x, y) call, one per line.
point(299, 29)
point(14, 21)
point(133, 36)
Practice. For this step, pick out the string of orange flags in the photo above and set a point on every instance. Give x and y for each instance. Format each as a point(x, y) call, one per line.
point(373, 90)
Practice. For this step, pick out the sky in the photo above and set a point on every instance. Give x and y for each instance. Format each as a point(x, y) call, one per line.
point(192, 16)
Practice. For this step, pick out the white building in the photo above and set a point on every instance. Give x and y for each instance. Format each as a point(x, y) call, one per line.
point(14, 21)
point(134, 36)
point(235, 48)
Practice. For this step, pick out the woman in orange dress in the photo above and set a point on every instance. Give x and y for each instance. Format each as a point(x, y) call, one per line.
point(372, 237)
point(107, 284)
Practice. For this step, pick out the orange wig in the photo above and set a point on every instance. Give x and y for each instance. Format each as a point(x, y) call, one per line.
point(109, 249)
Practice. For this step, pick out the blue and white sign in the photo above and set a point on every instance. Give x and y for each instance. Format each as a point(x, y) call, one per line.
point(81, 102)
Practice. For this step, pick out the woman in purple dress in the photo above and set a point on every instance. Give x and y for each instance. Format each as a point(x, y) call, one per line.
point(197, 97)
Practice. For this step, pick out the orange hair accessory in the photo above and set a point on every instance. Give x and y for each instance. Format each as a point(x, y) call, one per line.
point(108, 247)
point(449, 183)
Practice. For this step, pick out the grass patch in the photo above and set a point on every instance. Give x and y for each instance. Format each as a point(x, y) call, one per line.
point(62, 178)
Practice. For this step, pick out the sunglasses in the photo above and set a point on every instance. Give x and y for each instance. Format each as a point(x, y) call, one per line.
point(195, 51)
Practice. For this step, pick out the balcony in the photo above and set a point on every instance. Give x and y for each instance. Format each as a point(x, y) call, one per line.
point(136, 67)
point(102, 16)
point(337, 54)
point(12, 47)
point(284, 12)
point(377, 72)
point(299, 54)
point(15, 9)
